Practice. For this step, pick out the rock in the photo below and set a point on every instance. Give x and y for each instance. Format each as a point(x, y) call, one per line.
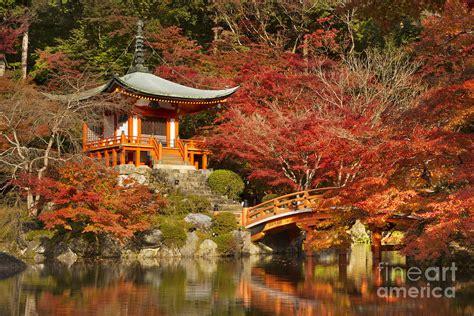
point(80, 246)
point(148, 253)
point(39, 258)
point(359, 234)
point(207, 248)
point(153, 237)
point(68, 257)
point(166, 252)
point(199, 221)
point(190, 247)
point(109, 247)
point(125, 169)
point(10, 266)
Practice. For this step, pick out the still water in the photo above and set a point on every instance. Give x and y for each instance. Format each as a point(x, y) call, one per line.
point(329, 284)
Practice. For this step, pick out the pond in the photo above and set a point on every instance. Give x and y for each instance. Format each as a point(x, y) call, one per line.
point(329, 284)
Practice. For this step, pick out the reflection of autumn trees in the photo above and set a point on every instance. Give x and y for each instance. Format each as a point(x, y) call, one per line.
point(203, 287)
point(123, 298)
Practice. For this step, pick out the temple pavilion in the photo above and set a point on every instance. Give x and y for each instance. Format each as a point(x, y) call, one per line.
point(149, 134)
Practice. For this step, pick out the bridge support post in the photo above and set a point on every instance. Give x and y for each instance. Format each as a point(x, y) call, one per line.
point(243, 219)
point(376, 246)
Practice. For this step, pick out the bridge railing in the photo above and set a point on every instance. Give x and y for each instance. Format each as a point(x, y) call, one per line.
point(283, 204)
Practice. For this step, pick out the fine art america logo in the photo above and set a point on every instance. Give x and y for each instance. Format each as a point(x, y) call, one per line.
point(435, 278)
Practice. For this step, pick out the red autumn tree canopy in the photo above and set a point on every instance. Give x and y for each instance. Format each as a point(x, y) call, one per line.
point(87, 198)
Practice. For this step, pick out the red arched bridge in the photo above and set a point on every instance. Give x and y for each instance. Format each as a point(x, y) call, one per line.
point(303, 210)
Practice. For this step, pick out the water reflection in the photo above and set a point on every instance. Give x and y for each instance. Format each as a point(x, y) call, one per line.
point(331, 284)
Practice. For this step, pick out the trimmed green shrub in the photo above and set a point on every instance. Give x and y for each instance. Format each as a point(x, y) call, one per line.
point(226, 244)
point(173, 235)
point(226, 182)
point(180, 204)
point(268, 197)
point(224, 223)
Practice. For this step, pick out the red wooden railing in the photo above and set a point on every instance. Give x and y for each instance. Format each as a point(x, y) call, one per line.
point(283, 204)
point(183, 149)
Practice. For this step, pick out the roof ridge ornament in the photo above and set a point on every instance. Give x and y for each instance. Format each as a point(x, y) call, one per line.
point(138, 64)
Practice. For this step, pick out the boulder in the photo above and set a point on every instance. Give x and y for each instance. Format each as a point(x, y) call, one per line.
point(148, 253)
point(207, 248)
point(359, 233)
point(109, 247)
point(68, 257)
point(199, 221)
point(10, 266)
point(166, 252)
point(190, 247)
point(153, 237)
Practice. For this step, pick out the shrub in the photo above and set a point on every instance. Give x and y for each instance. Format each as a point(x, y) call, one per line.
point(89, 200)
point(37, 234)
point(173, 235)
point(226, 244)
point(10, 223)
point(224, 223)
point(226, 182)
point(268, 197)
point(179, 204)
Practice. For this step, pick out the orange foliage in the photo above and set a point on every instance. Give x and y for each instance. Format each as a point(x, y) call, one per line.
point(87, 198)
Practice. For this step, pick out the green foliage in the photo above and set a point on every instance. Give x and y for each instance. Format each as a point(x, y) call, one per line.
point(37, 234)
point(173, 235)
point(268, 197)
point(226, 244)
point(10, 221)
point(226, 182)
point(181, 205)
point(224, 223)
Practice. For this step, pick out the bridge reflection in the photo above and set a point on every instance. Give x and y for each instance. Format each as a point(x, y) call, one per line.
point(343, 286)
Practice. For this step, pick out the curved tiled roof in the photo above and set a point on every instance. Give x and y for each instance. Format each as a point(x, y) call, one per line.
point(149, 85)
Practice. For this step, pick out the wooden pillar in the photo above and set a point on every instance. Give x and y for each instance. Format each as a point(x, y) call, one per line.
point(130, 127)
point(106, 157)
point(376, 245)
point(191, 158)
point(114, 157)
point(122, 157)
point(243, 220)
point(137, 157)
point(115, 125)
point(168, 132)
point(139, 128)
point(204, 161)
point(84, 136)
point(123, 138)
point(99, 155)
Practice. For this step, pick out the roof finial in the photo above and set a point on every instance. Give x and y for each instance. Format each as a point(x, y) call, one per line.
point(138, 60)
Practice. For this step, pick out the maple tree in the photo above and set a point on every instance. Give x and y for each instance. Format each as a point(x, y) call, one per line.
point(86, 198)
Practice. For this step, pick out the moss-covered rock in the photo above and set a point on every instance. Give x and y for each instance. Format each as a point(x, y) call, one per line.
point(224, 223)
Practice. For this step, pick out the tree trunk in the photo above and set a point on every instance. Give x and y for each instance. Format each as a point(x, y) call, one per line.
point(24, 55)
point(2, 65)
